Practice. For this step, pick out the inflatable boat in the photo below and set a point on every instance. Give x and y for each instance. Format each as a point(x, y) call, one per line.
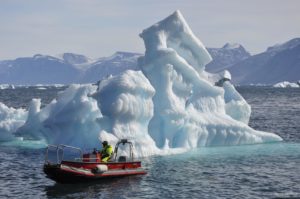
point(88, 166)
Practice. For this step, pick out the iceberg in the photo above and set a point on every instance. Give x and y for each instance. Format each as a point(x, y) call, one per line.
point(189, 110)
point(6, 86)
point(169, 106)
point(286, 84)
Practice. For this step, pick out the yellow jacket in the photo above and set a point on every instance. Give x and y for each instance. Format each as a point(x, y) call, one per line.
point(106, 153)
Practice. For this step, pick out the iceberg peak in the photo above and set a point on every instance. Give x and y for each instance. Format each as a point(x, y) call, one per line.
point(174, 34)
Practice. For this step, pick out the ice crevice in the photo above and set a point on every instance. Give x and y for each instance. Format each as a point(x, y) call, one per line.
point(171, 105)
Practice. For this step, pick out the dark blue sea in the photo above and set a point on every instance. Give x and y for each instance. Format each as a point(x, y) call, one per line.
point(251, 171)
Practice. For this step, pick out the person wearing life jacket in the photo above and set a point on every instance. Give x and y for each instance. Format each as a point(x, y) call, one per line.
point(106, 151)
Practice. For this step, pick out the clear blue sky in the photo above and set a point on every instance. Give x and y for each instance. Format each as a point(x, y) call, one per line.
point(98, 28)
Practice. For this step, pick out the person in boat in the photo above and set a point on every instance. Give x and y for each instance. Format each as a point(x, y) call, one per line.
point(106, 151)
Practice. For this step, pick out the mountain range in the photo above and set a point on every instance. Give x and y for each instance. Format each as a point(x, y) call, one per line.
point(278, 63)
point(226, 56)
point(67, 68)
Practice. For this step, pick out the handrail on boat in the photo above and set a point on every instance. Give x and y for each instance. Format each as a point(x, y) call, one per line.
point(123, 142)
point(58, 149)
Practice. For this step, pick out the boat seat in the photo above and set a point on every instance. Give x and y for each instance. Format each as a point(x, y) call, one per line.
point(122, 159)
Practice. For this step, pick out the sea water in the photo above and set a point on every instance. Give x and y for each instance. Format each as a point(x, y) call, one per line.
point(250, 171)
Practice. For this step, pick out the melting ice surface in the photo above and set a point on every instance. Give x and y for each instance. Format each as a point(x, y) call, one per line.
point(171, 105)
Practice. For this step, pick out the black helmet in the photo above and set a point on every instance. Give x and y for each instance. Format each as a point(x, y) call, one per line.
point(105, 143)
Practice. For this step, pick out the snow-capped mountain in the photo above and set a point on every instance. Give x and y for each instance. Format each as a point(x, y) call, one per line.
point(229, 54)
point(72, 58)
point(113, 65)
point(287, 45)
point(65, 69)
point(276, 64)
point(39, 69)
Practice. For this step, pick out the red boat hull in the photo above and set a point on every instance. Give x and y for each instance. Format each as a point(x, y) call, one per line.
point(76, 172)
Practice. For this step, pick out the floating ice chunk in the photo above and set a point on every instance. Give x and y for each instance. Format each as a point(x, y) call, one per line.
point(286, 84)
point(6, 86)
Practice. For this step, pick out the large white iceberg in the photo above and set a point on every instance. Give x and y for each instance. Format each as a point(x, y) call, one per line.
point(189, 110)
point(172, 104)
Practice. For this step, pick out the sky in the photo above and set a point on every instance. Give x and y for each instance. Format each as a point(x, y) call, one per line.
point(98, 28)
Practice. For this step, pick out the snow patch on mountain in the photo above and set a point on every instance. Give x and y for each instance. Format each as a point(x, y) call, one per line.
point(226, 56)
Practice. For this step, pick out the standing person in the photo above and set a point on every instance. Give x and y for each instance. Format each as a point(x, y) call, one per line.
point(106, 151)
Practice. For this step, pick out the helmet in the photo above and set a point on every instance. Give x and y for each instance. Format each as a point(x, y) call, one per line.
point(105, 143)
